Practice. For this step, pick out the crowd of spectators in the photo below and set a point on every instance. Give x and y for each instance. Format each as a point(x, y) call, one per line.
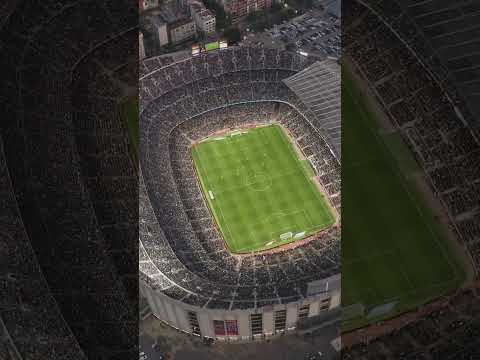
point(30, 320)
point(448, 331)
point(426, 115)
point(443, 36)
point(423, 105)
point(182, 252)
point(65, 288)
point(108, 169)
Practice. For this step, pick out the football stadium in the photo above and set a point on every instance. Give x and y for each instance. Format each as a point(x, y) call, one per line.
point(240, 192)
point(247, 174)
point(411, 141)
point(395, 257)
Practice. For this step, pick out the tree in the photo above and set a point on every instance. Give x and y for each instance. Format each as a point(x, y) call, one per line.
point(223, 21)
point(276, 7)
point(258, 20)
point(287, 13)
point(233, 35)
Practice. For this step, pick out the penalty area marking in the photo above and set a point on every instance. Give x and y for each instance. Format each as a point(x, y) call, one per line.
point(203, 183)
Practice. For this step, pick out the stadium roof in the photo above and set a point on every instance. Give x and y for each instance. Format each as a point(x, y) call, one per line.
point(451, 30)
point(172, 259)
point(318, 87)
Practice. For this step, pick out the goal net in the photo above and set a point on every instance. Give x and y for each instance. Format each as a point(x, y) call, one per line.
point(287, 235)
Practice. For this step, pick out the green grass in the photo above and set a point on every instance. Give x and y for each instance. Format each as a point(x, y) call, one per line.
point(129, 114)
point(261, 189)
point(212, 46)
point(393, 248)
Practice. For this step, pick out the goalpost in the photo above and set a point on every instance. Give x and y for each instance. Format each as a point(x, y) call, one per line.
point(287, 235)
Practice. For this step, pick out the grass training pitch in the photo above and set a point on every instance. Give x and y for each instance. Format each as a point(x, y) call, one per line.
point(393, 247)
point(212, 46)
point(261, 194)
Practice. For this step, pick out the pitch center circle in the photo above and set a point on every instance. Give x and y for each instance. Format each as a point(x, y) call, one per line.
point(258, 181)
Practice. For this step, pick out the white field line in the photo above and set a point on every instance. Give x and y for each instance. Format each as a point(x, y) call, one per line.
point(298, 164)
point(405, 186)
point(217, 203)
point(414, 290)
point(405, 294)
point(320, 197)
point(369, 258)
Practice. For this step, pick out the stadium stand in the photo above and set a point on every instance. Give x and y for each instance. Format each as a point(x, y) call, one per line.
point(183, 256)
point(30, 319)
point(447, 329)
point(324, 101)
point(450, 37)
point(424, 102)
point(434, 123)
point(68, 189)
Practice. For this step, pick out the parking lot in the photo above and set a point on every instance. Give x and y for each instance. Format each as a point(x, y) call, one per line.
point(316, 32)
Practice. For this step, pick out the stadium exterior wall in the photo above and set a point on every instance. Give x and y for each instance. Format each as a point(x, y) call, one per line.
point(175, 314)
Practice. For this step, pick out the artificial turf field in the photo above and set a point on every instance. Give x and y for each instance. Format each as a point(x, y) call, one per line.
point(393, 248)
point(258, 189)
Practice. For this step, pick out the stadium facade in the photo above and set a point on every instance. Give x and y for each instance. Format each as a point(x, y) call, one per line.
point(190, 279)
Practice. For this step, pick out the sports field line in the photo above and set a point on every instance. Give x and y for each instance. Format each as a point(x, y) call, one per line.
point(226, 137)
point(275, 243)
point(278, 214)
point(212, 208)
point(405, 275)
point(413, 289)
point(215, 206)
point(239, 187)
point(408, 293)
point(320, 196)
point(386, 254)
point(405, 294)
point(368, 290)
point(356, 164)
point(278, 242)
point(404, 183)
point(409, 281)
point(368, 258)
point(219, 156)
point(226, 224)
point(271, 218)
point(294, 157)
point(312, 227)
point(309, 218)
point(318, 227)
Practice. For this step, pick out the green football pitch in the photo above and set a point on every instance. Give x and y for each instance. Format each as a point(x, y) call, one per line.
point(260, 192)
point(393, 247)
